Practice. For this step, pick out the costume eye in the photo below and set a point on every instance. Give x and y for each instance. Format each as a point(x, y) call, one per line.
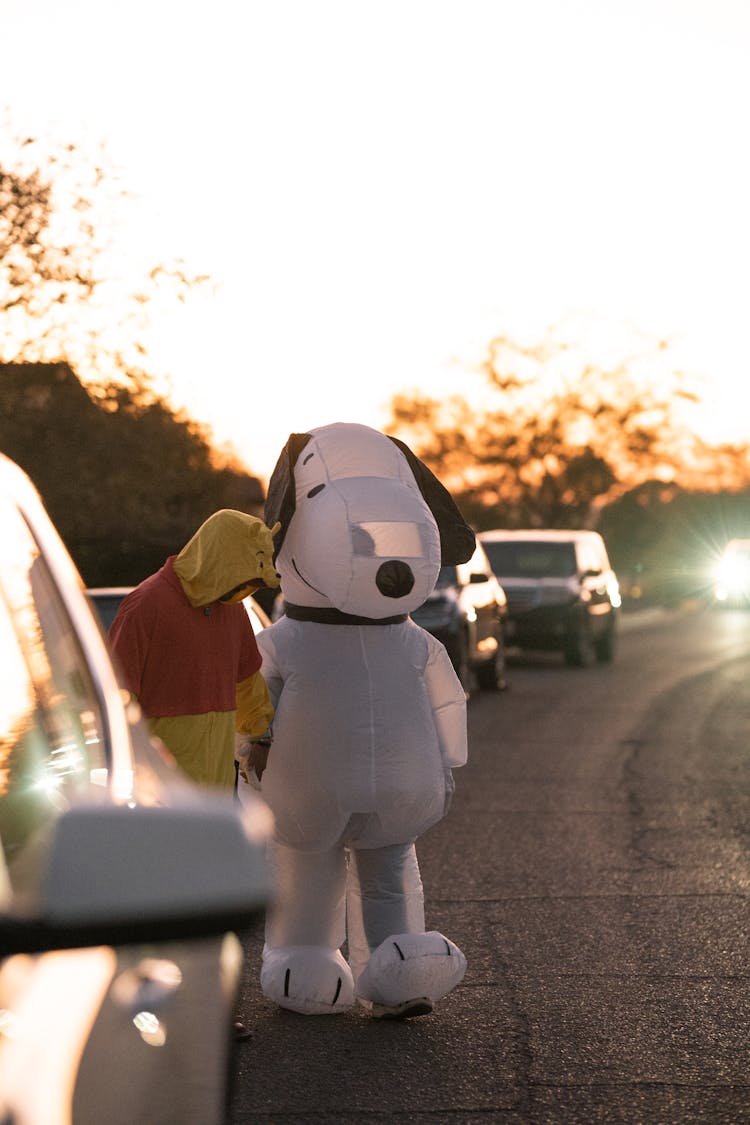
point(314, 491)
point(362, 542)
point(306, 459)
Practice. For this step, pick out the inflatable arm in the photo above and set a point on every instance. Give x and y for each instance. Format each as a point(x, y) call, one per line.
point(448, 702)
point(271, 671)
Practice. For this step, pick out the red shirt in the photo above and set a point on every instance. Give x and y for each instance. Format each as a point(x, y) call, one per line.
point(180, 659)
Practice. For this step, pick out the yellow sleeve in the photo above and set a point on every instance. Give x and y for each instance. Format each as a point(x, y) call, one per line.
point(254, 707)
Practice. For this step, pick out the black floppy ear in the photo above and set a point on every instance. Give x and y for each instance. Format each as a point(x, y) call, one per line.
point(281, 496)
point(457, 541)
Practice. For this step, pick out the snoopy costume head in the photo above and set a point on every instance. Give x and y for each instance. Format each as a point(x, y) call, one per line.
point(365, 525)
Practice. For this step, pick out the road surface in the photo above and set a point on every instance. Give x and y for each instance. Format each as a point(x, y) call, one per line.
point(595, 869)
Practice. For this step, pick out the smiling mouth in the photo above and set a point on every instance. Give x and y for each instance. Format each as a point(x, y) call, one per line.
point(301, 575)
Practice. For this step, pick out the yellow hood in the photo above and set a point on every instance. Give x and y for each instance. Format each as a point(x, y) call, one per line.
point(230, 549)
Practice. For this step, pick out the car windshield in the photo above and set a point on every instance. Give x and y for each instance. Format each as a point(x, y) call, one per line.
point(530, 559)
point(446, 577)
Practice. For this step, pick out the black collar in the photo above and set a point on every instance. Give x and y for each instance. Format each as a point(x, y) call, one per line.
point(330, 616)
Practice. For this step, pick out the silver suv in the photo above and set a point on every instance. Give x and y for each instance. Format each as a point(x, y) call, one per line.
point(562, 592)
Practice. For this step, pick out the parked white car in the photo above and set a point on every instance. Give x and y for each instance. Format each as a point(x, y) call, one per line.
point(121, 883)
point(562, 593)
point(106, 601)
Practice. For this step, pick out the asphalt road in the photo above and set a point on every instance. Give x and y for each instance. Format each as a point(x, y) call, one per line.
point(595, 869)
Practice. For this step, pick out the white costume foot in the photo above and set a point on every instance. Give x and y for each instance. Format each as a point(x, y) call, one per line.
point(307, 979)
point(410, 970)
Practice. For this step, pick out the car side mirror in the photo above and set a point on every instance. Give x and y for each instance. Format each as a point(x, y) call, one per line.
point(114, 875)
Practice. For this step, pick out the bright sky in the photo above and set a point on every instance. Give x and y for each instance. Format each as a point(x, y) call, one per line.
point(381, 186)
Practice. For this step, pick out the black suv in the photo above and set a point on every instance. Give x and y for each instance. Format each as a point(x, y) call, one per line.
point(466, 611)
point(562, 592)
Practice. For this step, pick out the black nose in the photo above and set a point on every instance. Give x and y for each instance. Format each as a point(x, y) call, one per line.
point(394, 579)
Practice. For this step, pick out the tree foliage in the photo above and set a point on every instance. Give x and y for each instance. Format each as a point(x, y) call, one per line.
point(35, 274)
point(125, 480)
point(67, 289)
point(665, 540)
point(552, 436)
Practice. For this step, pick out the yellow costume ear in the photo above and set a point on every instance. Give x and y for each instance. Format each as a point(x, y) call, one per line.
point(276, 527)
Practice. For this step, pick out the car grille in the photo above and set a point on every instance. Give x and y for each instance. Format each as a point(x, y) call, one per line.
point(525, 598)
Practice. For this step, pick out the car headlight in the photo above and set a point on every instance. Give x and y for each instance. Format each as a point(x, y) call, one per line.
point(733, 575)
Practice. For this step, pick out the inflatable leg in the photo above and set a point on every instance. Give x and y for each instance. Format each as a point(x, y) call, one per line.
point(384, 896)
point(408, 973)
point(302, 967)
point(400, 970)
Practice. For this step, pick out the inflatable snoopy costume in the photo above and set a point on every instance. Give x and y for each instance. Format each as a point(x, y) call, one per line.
point(370, 719)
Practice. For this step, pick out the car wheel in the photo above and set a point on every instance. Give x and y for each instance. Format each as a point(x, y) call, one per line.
point(491, 674)
point(605, 646)
point(579, 648)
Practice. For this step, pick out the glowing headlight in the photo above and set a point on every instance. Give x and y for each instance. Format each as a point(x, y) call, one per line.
point(733, 574)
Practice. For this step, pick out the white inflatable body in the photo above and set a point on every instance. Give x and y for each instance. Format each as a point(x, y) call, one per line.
point(370, 720)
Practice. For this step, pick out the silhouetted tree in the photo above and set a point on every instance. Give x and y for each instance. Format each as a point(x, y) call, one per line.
point(125, 479)
point(664, 540)
point(553, 437)
point(63, 293)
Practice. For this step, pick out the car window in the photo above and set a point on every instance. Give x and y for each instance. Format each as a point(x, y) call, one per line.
point(106, 606)
point(50, 722)
point(530, 559)
point(446, 577)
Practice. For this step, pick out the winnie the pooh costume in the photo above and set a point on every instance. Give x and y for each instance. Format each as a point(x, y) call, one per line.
point(186, 648)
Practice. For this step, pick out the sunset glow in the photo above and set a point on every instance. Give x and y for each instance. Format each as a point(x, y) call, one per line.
point(378, 190)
